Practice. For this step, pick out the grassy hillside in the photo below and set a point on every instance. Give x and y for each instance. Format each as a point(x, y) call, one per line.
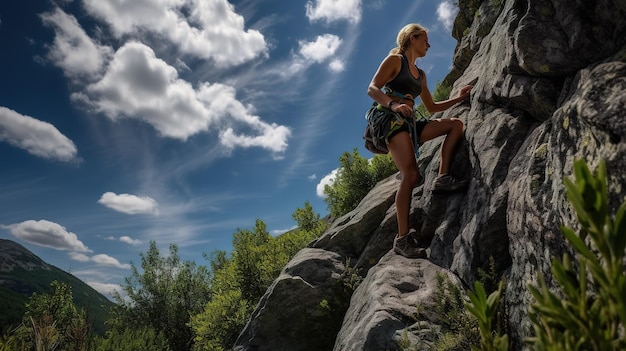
point(22, 273)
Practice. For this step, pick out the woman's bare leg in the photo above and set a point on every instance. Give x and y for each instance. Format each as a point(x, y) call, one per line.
point(453, 130)
point(401, 148)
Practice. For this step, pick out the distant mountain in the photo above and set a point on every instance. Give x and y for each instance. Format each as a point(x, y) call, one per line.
point(22, 273)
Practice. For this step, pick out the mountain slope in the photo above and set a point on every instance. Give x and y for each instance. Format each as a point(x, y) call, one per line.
point(22, 273)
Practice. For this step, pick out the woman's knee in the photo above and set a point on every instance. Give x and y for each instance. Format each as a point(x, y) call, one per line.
point(411, 176)
point(457, 124)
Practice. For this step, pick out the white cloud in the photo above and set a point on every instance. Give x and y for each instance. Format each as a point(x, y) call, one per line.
point(36, 137)
point(129, 204)
point(337, 66)
point(446, 12)
point(125, 239)
point(334, 10)
point(321, 49)
point(100, 259)
point(106, 260)
point(329, 179)
point(131, 241)
point(72, 49)
point(141, 86)
point(213, 29)
point(47, 234)
point(77, 256)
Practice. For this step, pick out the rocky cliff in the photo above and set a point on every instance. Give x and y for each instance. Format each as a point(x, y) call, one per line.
point(550, 88)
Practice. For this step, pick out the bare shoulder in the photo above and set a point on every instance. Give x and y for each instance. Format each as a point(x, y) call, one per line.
point(393, 60)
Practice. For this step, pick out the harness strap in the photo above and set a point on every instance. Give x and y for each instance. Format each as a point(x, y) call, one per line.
point(398, 94)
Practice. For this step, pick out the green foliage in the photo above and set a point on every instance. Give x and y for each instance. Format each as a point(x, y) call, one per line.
point(240, 280)
point(163, 297)
point(306, 218)
point(220, 323)
point(458, 326)
point(52, 322)
point(39, 280)
point(355, 178)
point(589, 310)
point(485, 309)
point(132, 339)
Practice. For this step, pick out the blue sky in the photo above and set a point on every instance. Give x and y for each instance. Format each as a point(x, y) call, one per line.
point(180, 121)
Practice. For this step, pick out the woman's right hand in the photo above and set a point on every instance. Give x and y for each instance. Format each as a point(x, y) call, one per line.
point(402, 109)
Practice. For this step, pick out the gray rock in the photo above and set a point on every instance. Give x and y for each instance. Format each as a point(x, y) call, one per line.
point(550, 89)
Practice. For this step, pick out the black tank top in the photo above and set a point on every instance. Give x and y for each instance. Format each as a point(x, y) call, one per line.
point(404, 83)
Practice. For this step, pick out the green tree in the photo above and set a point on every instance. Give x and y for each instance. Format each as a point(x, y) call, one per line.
point(132, 339)
point(355, 178)
point(240, 280)
point(52, 322)
point(163, 296)
point(306, 218)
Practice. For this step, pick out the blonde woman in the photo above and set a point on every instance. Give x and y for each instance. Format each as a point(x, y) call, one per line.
point(395, 85)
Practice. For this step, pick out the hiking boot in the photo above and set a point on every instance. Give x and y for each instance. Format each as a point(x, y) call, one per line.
point(407, 246)
point(446, 183)
point(419, 239)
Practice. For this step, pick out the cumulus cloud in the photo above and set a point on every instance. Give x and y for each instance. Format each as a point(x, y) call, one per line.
point(329, 179)
point(47, 234)
point(446, 12)
point(334, 10)
point(131, 241)
point(100, 259)
point(212, 30)
point(337, 66)
point(321, 49)
point(139, 85)
point(106, 260)
point(129, 204)
point(126, 239)
point(38, 138)
point(73, 50)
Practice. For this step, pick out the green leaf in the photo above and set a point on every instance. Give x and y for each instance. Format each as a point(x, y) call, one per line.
point(619, 230)
point(578, 243)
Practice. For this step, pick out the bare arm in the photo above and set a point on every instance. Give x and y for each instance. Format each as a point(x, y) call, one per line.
point(439, 106)
point(387, 70)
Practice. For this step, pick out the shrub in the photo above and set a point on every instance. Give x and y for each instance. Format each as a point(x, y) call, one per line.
point(588, 312)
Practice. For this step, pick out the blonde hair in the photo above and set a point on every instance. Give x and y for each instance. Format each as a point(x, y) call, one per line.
point(404, 37)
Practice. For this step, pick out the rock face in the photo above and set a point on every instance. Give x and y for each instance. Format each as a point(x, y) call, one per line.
point(550, 88)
